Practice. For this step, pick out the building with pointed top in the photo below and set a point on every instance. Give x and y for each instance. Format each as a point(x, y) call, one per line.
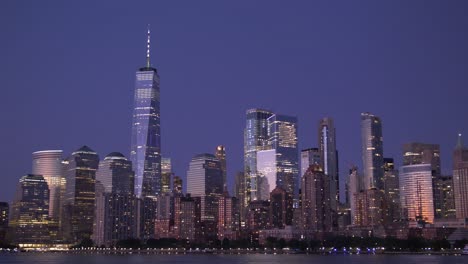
point(145, 152)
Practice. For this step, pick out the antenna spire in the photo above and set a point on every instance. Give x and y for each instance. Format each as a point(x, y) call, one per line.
point(148, 48)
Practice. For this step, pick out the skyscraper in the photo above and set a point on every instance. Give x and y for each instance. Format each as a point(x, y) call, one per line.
point(205, 180)
point(422, 153)
point(372, 151)
point(391, 191)
point(282, 131)
point(416, 195)
point(280, 208)
point(79, 197)
point(327, 143)
point(256, 138)
point(4, 215)
point(145, 152)
point(460, 179)
point(115, 211)
point(30, 211)
point(309, 157)
point(220, 154)
point(48, 163)
point(166, 175)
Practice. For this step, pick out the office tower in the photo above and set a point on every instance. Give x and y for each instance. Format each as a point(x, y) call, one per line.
point(239, 186)
point(228, 218)
point(355, 186)
point(4, 216)
point(444, 200)
point(255, 138)
point(177, 188)
point(266, 173)
point(315, 192)
point(281, 211)
point(187, 217)
point(145, 152)
point(369, 208)
point(205, 179)
point(30, 211)
point(79, 197)
point(309, 157)
point(147, 210)
point(329, 162)
point(391, 191)
point(166, 175)
point(460, 179)
point(115, 211)
point(422, 153)
point(48, 163)
point(220, 154)
point(416, 195)
point(372, 151)
point(282, 131)
point(257, 215)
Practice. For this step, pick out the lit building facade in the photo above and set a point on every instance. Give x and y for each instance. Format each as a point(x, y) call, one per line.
point(391, 191)
point(281, 211)
point(315, 200)
point(115, 209)
point(187, 217)
point(48, 163)
point(460, 179)
point(416, 194)
point(256, 138)
point(329, 162)
point(309, 157)
point(30, 211)
point(266, 173)
point(369, 208)
point(166, 175)
point(372, 151)
point(228, 218)
point(444, 200)
point(145, 152)
point(4, 217)
point(220, 154)
point(79, 197)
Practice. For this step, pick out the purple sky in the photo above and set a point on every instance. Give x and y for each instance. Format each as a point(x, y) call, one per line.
point(67, 74)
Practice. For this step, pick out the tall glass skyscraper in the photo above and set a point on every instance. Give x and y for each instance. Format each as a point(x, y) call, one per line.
point(372, 151)
point(327, 144)
point(145, 152)
point(48, 163)
point(255, 139)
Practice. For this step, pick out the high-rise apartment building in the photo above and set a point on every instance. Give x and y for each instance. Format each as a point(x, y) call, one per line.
point(460, 179)
point(115, 211)
point(48, 163)
point(145, 152)
point(329, 162)
point(372, 151)
point(79, 196)
point(416, 194)
point(444, 200)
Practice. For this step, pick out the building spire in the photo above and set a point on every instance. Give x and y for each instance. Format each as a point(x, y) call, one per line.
point(459, 142)
point(148, 48)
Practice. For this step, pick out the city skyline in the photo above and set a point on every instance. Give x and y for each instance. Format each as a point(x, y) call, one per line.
point(106, 136)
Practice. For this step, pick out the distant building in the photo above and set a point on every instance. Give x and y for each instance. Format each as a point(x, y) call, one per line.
point(309, 157)
point(228, 218)
point(220, 154)
point(281, 211)
point(115, 213)
point(369, 208)
point(329, 162)
point(48, 163)
point(258, 215)
point(315, 199)
point(177, 188)
point(166, 175)
point(30, 211)
point(4, 216)
point(79, 197)
point(266, 173)
point(372, 151)
point(187, 217)
point(416, 195)
point(355, 185)
point(460, 179)
point(392, 192)
point(444, 200)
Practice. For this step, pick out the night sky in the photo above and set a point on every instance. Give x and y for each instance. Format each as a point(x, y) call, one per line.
point(67, 73)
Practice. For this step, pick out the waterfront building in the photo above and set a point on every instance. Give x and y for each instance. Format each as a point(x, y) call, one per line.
point(372, 151)
point(355, 185)
point(369, 208)
point(79, 195)
point(228, 218)
point(416, 194)
point(315, 200)
point(329, 161)
point(266, 173)
point(220, 154)
point(187, 217)
point(48, 163)
point(460, 179)
point(258, 215)
point(4, 216)
point(281, 210)
point(145, 152)
point(29, 222)
point(115, 209)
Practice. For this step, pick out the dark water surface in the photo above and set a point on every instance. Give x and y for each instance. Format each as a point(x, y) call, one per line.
point(46, 258)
